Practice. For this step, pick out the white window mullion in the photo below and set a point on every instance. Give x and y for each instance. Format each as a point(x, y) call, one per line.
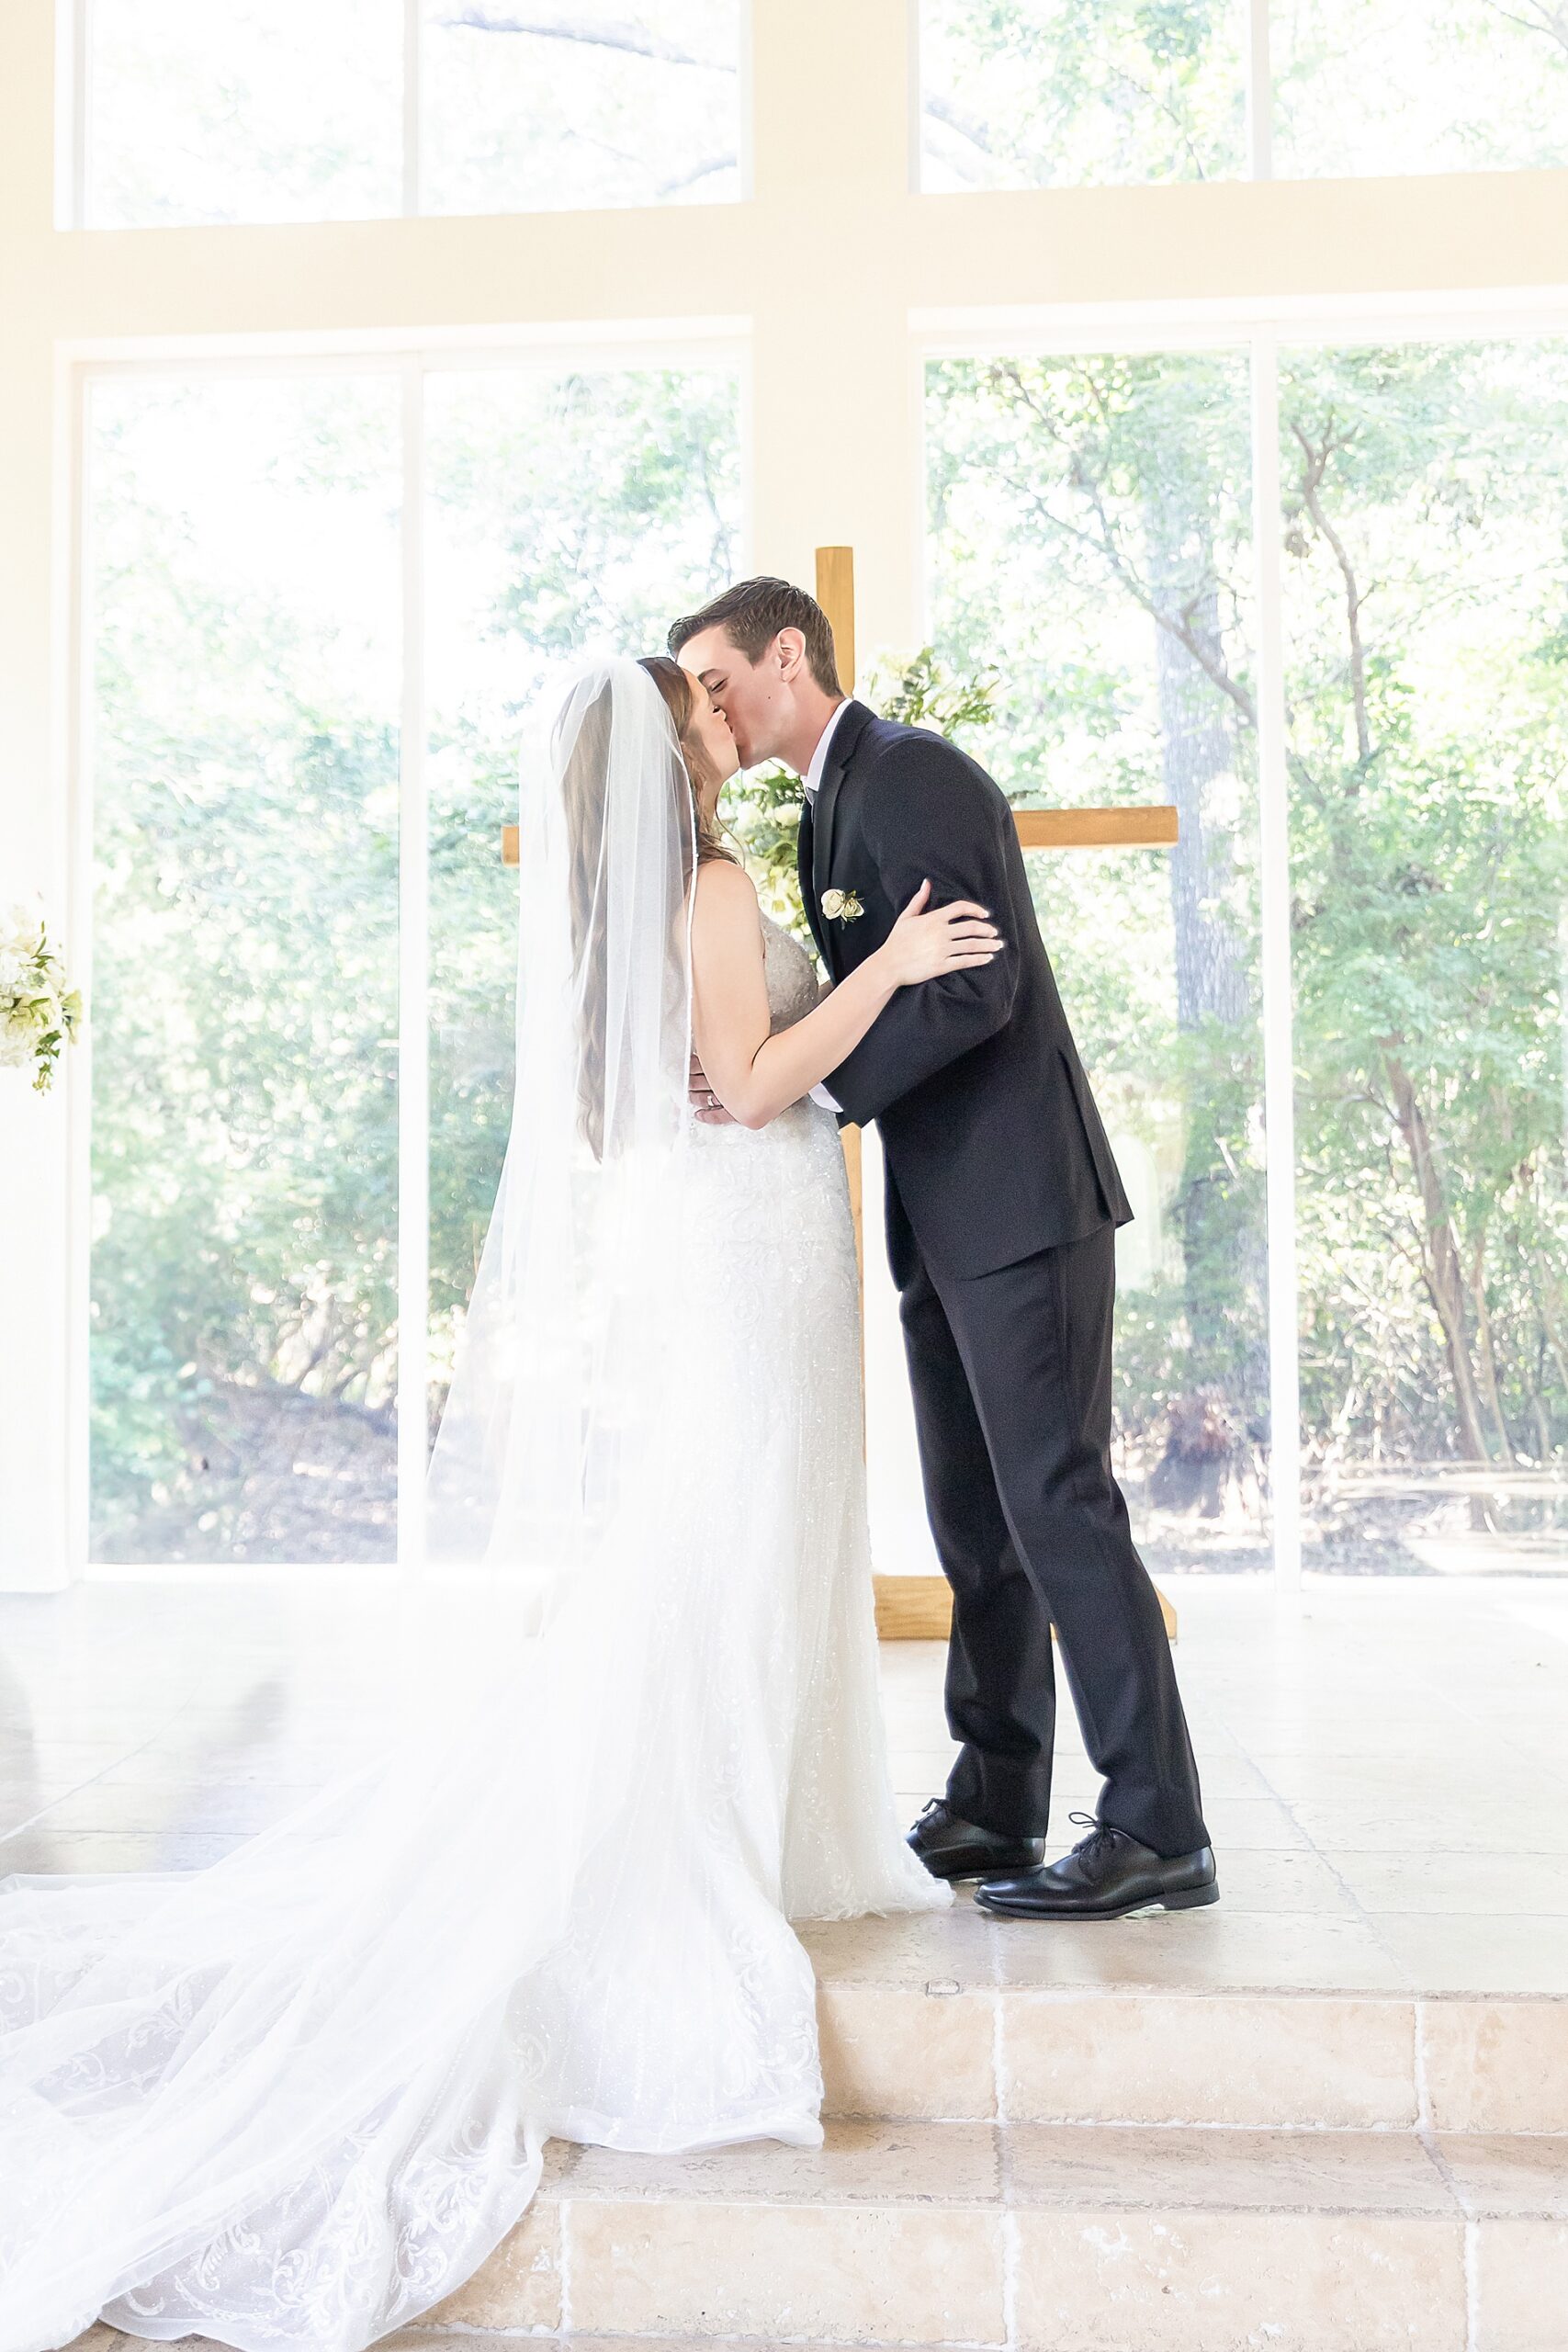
point(72, 74)
point(746, 88)
point(76, 592)
point(1278, 1095)
point(1260, 92)
point(413, 111)
point(413, 1002)
point(915, 86)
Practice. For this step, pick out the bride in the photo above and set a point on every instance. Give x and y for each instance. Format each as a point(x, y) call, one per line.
point(295, 2099)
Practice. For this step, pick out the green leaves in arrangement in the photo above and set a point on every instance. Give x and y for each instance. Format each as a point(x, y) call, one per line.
point(763, 809)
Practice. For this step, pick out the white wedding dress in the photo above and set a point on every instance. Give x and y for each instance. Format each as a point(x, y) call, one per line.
point(295, 2099)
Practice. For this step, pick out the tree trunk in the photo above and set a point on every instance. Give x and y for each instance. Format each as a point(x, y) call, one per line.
point(1196, 751)
point(1554, 1330)
point(1444, 1272)
point(1222, 1245)
point(1486, 1353)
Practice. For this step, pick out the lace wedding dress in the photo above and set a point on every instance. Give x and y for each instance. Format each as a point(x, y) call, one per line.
point(295, 2099)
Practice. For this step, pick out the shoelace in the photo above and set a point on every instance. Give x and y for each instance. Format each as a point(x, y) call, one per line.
point(1099, 1832)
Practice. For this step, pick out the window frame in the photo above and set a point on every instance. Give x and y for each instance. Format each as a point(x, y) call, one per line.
point(74, 126)
point(1258, 95)
point(1262, 330)
point(538, 351)
point(829, 453)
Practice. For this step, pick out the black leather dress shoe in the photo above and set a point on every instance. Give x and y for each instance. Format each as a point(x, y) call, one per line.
point(951, 1848)
point(1106, 1875)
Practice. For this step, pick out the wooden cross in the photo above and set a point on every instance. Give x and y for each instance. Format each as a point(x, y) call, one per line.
point(920, 1607)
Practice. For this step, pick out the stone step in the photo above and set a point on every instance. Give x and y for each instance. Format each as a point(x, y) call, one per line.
point(1048, 2239)
point(1034, 2238)
point(958, 2018)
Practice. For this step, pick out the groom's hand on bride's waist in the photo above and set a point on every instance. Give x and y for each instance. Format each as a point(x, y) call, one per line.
point(710, 1109)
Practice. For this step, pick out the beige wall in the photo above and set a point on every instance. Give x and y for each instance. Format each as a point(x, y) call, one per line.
point(835, 267)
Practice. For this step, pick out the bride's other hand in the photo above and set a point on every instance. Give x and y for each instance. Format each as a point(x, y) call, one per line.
point(710, 1111)
point(924, 944)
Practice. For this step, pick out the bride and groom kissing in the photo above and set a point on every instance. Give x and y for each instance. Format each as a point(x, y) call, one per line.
point(1002, 1200)
point(297, 2098)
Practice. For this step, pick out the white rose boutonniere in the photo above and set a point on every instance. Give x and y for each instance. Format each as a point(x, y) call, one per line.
point(842, 906)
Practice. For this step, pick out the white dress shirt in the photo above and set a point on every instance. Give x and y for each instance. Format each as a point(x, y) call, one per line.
point(812, 778)
point(819, 760)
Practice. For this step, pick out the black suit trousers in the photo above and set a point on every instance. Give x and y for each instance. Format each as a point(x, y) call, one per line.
point(1011, 1379)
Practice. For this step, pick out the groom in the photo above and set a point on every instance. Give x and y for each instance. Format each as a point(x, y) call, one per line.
point(1002, 1204)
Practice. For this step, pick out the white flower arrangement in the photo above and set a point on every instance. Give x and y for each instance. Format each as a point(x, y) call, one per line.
point(38, 1012)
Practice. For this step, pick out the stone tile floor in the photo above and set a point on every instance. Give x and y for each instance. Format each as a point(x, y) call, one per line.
point(1386, 1770)
point(1385, 1765)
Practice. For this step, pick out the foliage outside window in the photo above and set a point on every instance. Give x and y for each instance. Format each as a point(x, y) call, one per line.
point(247, 686)
point(1052, 93)
point(294, 109)
point(1090, 535)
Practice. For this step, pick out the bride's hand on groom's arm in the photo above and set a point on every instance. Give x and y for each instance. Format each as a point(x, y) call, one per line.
point(948, 821)
point(928, 941)
point(754, 1073)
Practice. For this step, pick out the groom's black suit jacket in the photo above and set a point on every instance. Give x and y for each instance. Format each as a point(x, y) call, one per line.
point(993, 1147)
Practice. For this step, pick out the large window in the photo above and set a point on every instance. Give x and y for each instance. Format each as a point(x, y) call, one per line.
point(245, 658)
point(1425, 519)
point(345, 109)
point(1091, 539)
point(1091, 523)
point(254, 110)
point(1050, 93)
point(564, 511)
point(1451, 85)
point(1247, 538)
point(535, 109)
point(254, 1002)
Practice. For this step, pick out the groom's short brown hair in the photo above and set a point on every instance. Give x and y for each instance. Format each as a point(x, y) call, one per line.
point(751, 615)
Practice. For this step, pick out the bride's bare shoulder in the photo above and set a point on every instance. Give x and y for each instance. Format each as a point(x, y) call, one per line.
point(726, 895)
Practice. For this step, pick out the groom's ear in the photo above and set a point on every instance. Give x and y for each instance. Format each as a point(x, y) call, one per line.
point(789, 647)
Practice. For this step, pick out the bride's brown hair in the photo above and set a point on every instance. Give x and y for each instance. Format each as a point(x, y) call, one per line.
point(582, 793)
point(680, 700)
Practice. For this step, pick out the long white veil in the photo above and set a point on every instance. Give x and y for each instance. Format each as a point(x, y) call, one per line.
point(533, 1445)
point(293, 2099)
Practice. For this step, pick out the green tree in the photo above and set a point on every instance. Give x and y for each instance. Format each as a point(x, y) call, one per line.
point(243, 1008)
point(1045, 92)
point(245, 1013)
point(1091, 517)
point(1427, 515)
point(1091, 531)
